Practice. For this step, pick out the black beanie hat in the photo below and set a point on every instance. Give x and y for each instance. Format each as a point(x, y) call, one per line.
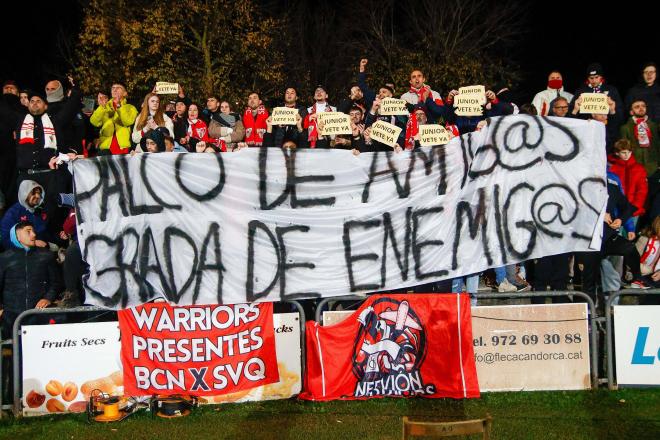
point(595, 69)
point(39, 93)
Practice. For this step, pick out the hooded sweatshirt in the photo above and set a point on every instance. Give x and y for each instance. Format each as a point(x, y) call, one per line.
point(21, 211)
point(56, 95)
point(633, 179)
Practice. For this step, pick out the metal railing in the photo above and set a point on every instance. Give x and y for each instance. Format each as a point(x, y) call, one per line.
point(611, 384)
point(17, 355)
point(593, 340)
point(3, 406)
point(18, 386)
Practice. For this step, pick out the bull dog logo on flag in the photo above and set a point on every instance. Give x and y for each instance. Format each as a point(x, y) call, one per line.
point(389, 348)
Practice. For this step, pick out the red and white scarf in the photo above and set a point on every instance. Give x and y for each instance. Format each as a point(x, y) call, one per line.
point(642, 131)
point(412, 129)
point(453, 129)
point(651, 255)
point(26, 135)
point(420, 94)
point(310, 124)
point(255, 126)
point(197, 130)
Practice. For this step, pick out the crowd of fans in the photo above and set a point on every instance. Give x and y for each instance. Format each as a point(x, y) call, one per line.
point(41, 130)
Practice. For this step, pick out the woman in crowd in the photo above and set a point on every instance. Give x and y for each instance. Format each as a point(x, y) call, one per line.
point(151, 117)
point(193, 129)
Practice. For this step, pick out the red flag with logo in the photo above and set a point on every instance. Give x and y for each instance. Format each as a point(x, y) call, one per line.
point(394, 346)
point(201, 350)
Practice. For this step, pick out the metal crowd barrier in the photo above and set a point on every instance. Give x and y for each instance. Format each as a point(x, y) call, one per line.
point(3, 406)
point(593, 340)
point(18, 386)
point(17, 356)
point(608, 320)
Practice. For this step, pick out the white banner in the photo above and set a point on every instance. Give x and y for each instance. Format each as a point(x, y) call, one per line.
point(637, 345)
point(270, 225)
point(64, 363)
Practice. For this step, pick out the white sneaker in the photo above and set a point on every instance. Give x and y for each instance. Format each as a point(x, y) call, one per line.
point(506, 286)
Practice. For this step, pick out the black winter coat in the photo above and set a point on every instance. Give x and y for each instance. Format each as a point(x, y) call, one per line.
point(28, 277)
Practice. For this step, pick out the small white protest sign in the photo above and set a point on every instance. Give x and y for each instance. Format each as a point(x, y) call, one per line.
point(284, 116)
point(393, 107)
point(433, 134)
point(385, 133)
point(335, 123)
point(167, 88)
point(594, 103)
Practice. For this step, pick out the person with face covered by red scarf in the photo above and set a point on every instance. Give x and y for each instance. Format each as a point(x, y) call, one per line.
point(555, 90)
point(254, 121)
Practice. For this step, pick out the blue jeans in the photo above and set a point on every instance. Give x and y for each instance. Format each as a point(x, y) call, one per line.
point(471, 283)
point(508, 272)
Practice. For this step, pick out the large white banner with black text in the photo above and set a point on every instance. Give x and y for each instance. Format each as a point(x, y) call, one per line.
point(271, 225)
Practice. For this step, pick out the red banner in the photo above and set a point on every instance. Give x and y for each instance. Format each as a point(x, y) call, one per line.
point(203, 350)
point(394, 346)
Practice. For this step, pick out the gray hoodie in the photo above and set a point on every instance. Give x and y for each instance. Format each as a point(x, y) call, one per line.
point(25, 189)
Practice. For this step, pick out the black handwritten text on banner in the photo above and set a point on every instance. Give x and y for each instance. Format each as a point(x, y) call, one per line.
point(270, 225)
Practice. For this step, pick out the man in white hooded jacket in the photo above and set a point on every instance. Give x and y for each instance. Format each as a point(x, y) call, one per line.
point(555, 90)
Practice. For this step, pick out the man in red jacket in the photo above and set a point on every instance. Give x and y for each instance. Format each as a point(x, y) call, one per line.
point(254, 120)
point(632, 175)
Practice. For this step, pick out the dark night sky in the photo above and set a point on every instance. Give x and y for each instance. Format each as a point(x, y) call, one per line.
point(626, 38)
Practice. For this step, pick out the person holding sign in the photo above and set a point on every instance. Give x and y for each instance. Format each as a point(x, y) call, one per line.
point(467, 124)
point(399, 122)
point(151, 117)
point(595, 83)
point(611, 130)
point(354, 141)
point(310, 124)
point(429, 134)
point(254, 121)
point(285, 136)
point(291, 101)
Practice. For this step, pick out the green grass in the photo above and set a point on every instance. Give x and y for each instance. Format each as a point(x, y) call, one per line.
point(623, 414)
